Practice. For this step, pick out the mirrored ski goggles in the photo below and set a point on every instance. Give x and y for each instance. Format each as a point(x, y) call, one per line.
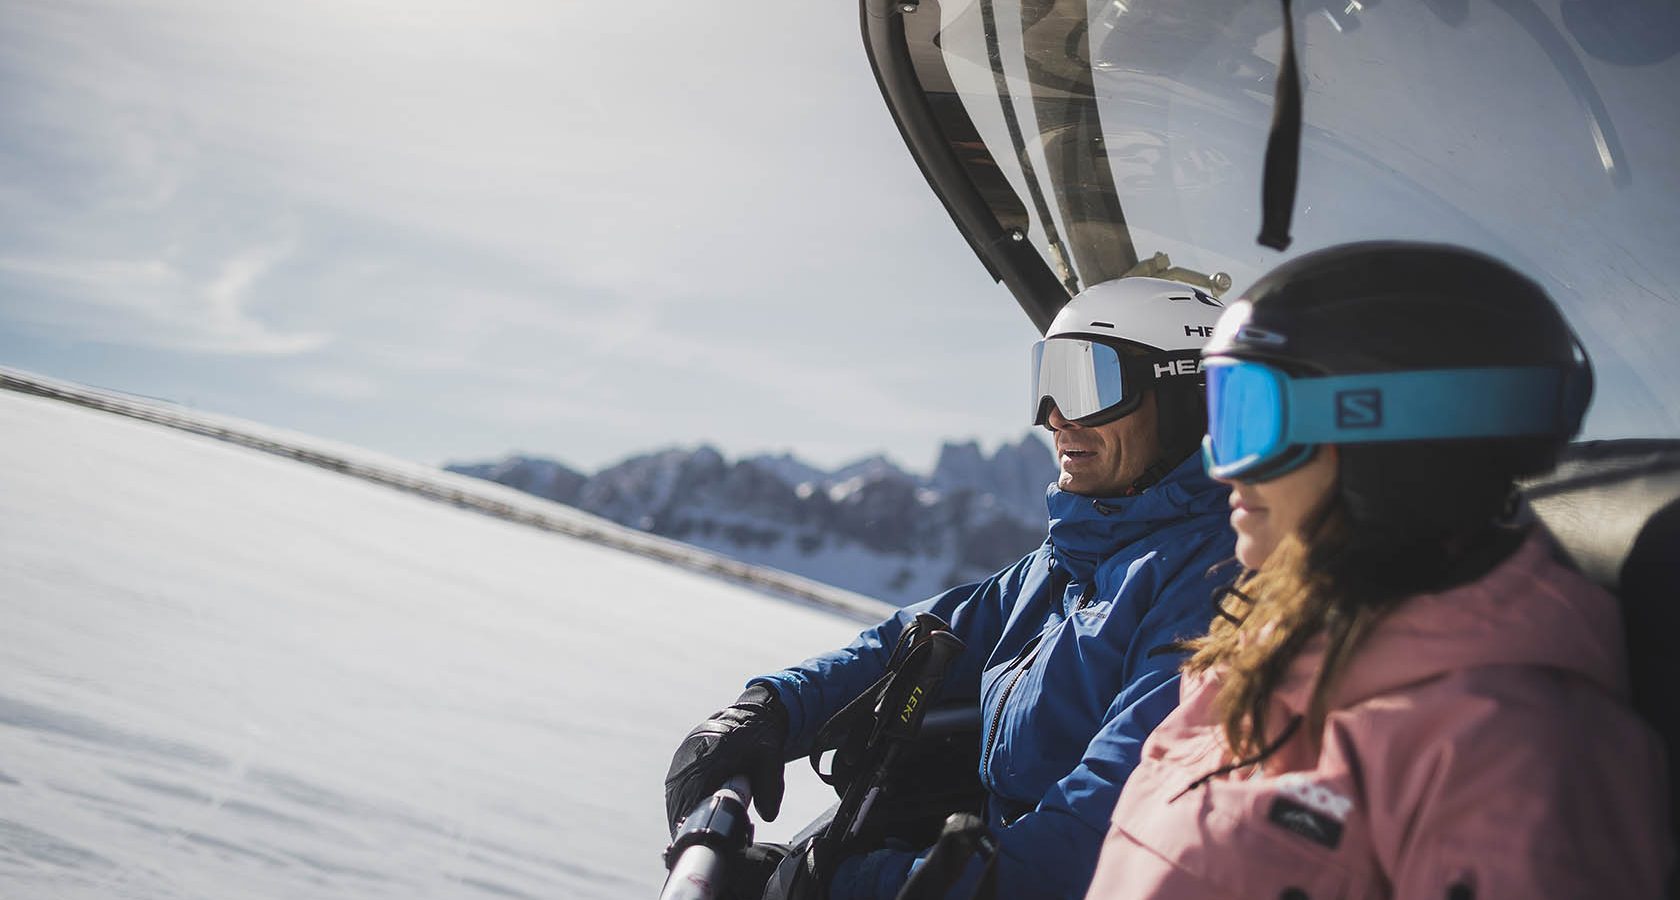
point(1092, 382)
point(1263, 422)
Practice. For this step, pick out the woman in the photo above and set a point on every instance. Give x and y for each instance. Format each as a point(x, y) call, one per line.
point(1407, 694)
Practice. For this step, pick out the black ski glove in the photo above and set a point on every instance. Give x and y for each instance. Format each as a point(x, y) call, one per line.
point(746, 738)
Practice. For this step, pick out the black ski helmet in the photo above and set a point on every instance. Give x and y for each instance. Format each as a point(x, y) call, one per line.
point(1392, 306)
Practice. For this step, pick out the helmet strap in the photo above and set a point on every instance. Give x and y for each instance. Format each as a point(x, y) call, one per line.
point(1179, 424)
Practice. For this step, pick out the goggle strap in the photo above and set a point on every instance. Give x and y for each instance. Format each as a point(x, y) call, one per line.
point(1164, 364)
point(1424, 405)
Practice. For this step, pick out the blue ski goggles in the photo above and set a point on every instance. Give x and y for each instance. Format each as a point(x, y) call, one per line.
point(1263, 422)
point(1092, 382)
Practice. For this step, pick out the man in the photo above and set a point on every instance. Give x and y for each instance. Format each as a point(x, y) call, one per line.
point(1072, 653)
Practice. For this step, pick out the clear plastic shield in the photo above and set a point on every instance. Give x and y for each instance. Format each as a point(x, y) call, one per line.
point(1128, 137)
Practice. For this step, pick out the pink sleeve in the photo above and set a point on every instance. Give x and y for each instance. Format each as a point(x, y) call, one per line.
point(1519, 783)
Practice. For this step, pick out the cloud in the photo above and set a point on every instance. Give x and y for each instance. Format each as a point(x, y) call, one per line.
point(153, 302)
point(622, 218)
point(334, 384)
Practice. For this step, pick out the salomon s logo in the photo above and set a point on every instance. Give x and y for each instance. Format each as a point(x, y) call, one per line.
point(1359, 409)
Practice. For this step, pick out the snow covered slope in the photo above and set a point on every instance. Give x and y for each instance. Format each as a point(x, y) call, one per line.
point(435, 484)
point(224, 674)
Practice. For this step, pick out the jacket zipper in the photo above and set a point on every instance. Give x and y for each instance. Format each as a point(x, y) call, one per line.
point(1085, 598)
point(1024, 661)
point(997, 714)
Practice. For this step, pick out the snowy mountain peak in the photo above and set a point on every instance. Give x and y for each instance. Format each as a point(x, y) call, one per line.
point(1016, 474)
point(869, 526)
point(533, 475)
point(959, 465)
point(870, 467)
point(793, 472)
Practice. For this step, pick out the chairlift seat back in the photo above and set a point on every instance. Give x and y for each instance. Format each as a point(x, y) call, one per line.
point(1614, 507)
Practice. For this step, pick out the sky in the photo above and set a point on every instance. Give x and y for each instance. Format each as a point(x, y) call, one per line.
point(451, 230)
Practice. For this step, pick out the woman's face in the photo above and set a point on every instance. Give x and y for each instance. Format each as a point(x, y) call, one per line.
point(1264, 513)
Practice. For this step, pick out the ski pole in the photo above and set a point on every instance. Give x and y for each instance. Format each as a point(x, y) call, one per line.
point(715, 828)
point(894, 720)
point(963, 836)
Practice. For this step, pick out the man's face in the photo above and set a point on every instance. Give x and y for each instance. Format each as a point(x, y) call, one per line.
point(1104, 460)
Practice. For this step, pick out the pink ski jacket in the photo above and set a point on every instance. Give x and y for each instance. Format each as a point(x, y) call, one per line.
point(1480, 745)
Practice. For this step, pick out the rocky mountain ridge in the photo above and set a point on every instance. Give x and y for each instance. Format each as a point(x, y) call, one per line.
point(869, 526)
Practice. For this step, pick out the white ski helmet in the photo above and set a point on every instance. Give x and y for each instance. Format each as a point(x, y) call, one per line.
point(1114, 342)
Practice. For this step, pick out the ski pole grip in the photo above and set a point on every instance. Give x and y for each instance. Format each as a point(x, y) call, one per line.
point(962, 835)
point(709, 834)
point(909, 697)
point(719, 822)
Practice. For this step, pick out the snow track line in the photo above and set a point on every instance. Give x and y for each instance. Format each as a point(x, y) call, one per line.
point(455, 490)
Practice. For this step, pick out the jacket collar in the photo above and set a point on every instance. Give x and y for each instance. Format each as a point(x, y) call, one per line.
point(1084, 531)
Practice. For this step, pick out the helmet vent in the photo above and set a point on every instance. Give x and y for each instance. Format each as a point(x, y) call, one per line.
point(1104, 324)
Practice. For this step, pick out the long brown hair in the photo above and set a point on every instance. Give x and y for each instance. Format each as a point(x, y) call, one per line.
point(1426, 522)
point(1280, 609)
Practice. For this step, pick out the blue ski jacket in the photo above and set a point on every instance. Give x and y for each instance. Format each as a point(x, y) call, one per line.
point(1070, 682)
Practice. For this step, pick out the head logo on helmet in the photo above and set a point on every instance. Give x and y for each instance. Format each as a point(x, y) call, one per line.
point(1170, 367)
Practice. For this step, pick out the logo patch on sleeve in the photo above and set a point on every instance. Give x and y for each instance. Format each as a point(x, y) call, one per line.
point(1306, 822)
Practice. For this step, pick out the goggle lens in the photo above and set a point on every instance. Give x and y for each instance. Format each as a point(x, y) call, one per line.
point(1081, 377)
point(1245, 416)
